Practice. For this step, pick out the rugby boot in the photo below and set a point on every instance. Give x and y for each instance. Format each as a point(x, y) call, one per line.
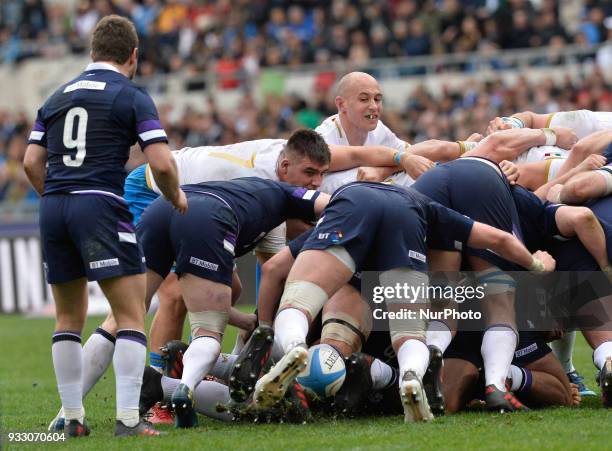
point(502, 401)
point(151, 391)
point(432, 381)
point(142, 429)
point(173, 355)
point(297, 409)
point(414, 400)
point(605, 383)
point(272, 386)
point(159, 414)
point(182, 403)
point(357, 384)
point(575, 378)
point(250, 362)
point(74, 428)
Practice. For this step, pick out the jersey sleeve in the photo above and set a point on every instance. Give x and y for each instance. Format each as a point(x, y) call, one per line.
point(300, 202)
point(148, 126)
point(448, 223)
point(38, 135)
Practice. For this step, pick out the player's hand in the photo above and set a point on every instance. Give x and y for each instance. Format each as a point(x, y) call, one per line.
point(595, 143)
point(415, 165)
point(496, 125)
point(475, 137)
point(547, 260)
point(370, 174)
point(591, 162)
point(566, 137)
point(554, 194)
point(180, 202)
point(510, 170)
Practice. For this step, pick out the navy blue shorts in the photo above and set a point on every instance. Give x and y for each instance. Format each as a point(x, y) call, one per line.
point(477, 188)
point(532, 346)
point(201, 241)
point(381, 229)
point(87, 235)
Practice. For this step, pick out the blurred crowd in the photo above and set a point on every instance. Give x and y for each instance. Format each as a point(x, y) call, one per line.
point(454, 114)
point(240, 36)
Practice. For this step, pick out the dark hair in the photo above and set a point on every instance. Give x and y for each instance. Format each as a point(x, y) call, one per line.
point(114, 39)
point(308, 144)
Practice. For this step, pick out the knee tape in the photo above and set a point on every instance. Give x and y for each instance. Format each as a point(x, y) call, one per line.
point(401, 326)
point(495, 281)
point(210, 320)
point(607, 175)
point(342, 254)
point(305, 295)
point(341, 327)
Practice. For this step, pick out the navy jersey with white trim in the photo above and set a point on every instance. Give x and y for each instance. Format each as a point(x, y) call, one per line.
point(259, 205)
point(537, 219)
point(88, 126)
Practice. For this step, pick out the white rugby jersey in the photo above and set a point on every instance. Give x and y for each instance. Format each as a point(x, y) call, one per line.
point(583, 122)
point(209, 163)
point(332, 132)
point(334, 180)
point(541, 153)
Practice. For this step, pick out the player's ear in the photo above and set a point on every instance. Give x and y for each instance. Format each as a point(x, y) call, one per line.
point(339, 102)
point(134, 56)
point(284, 165)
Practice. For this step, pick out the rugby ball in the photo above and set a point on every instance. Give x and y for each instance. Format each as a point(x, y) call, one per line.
point(325, 371)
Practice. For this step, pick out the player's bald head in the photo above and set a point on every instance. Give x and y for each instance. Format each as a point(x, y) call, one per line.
point(354, 81)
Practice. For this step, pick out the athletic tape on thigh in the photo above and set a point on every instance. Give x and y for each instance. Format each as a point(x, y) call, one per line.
point(607, 175)
point(342, 254)
point(495, 281)
point(305, 295)
point(343, 327)
point(209, 320)
point(406, 327)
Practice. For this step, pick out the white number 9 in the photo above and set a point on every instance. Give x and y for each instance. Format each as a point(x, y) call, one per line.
point(79, 142)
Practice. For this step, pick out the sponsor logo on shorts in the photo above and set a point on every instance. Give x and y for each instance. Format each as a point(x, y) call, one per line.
point(417, 256)
point(528, 350)
point(203, 264)
point(334, 236)
point(104, 263)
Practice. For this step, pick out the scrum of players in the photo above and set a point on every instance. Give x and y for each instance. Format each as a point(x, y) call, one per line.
point(532, 195)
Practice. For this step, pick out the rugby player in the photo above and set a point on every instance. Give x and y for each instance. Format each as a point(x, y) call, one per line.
point(84, 131)
point(349, 239)
point(225, 221)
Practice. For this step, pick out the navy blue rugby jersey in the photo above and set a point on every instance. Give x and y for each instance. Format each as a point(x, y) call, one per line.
point(88, 126)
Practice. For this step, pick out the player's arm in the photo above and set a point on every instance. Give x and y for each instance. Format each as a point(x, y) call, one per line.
point(524, 119)
point(552, 189)
point(509, 144)
point(370, 174)
point(585, 186)
point(273, 275)
point(165, 172)
point(582, 223)
point(484, 236)
point(35, 166)
point(320, 203)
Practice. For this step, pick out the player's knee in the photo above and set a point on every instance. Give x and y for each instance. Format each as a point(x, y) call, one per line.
point(345, 330)
point(208, 322)
point(305, 296)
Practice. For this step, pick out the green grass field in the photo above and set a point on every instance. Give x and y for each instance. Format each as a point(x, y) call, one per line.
point(29, 399)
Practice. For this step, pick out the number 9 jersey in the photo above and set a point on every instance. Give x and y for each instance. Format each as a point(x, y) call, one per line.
point(88, 126)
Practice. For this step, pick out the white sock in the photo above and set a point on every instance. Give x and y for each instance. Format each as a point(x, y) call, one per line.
point(516, 377)
point(601, 353)
point(223, 367)
point(381, 374)
point(238, 345)
point(439, 335)
point(206, 395)
point(129, 362)
point(277, 350)
point(291, 328)
point(97, 356)
point(498, 345)
point(68, 364)
point(563, 349)
point(413, 355)
point(199, 360)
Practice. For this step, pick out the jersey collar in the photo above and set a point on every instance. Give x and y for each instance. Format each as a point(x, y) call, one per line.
point(101, 66)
